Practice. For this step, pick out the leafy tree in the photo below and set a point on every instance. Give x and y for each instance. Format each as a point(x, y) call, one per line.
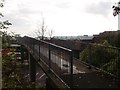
point(6, 39)
point(116, 9)
point(6, 23)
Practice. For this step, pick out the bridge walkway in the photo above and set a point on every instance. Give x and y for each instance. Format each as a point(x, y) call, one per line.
point(63, 69)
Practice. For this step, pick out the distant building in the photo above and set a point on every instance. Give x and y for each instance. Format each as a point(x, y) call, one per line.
point(85, 37)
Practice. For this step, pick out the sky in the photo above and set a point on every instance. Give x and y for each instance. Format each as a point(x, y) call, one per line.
point(64, 17)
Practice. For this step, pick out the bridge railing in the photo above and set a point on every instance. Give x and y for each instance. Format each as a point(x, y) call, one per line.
point(61, 61)
point(103, 57)
point(57, 58)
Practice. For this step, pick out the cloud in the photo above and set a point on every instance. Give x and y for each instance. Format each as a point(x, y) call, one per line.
point(26, 11)
point(64, 16)
point(102, 8)
point(63, 5)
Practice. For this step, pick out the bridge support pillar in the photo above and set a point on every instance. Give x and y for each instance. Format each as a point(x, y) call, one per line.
point(22, 54)
point(71, 70)
point(49, 57)
point(32, 68)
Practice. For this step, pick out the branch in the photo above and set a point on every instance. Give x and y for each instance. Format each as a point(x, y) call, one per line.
point(116, 9)
point(4, 24)
point(1, 15)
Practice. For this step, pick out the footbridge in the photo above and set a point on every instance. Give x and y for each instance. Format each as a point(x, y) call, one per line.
point(98, 66)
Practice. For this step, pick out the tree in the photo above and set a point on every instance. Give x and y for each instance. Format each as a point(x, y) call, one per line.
point(6, 23)
point(50, 33)
point(7, 38)
point(41, 30)
point(116, 9)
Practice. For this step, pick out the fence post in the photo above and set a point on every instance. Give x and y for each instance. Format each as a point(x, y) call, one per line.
point(22, 54)
point(32, 68)
point(33, 45)
point(49, 57)
point(39, 51)
point(71, 63)
point(71, 69)
point(118, 67)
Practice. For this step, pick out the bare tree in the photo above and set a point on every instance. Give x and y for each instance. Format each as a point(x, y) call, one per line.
point(50, 33)
point(41, 30)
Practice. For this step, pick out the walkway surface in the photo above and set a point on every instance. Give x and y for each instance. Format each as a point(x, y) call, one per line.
point(89, 80)
point(83, 76)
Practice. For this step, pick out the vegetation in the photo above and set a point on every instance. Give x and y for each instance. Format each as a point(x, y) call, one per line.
point(5, 23)
point(112, 37)
point(13, 73)
point(42, 30)
point(102, 55)
point(12, 69)
point(116, 9)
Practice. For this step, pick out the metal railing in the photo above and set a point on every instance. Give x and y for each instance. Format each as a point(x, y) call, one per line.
point(57, 58)
point(61, 62)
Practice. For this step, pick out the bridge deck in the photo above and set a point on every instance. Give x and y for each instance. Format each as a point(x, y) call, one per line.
point(90, 80)
point(87, 77)
point(83, 76)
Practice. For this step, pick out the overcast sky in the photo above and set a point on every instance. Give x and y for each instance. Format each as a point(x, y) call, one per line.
point(64, 17)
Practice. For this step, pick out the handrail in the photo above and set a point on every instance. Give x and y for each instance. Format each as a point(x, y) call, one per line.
point(66, 49)
point(43, 45)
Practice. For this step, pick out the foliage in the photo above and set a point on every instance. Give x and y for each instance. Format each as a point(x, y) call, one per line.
point(10, 70)
point(102, 56)
point(113, 38)
point(6, 39)
point(111, 66)
point(6, 23)
point(116, 9)
point(12, 74)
